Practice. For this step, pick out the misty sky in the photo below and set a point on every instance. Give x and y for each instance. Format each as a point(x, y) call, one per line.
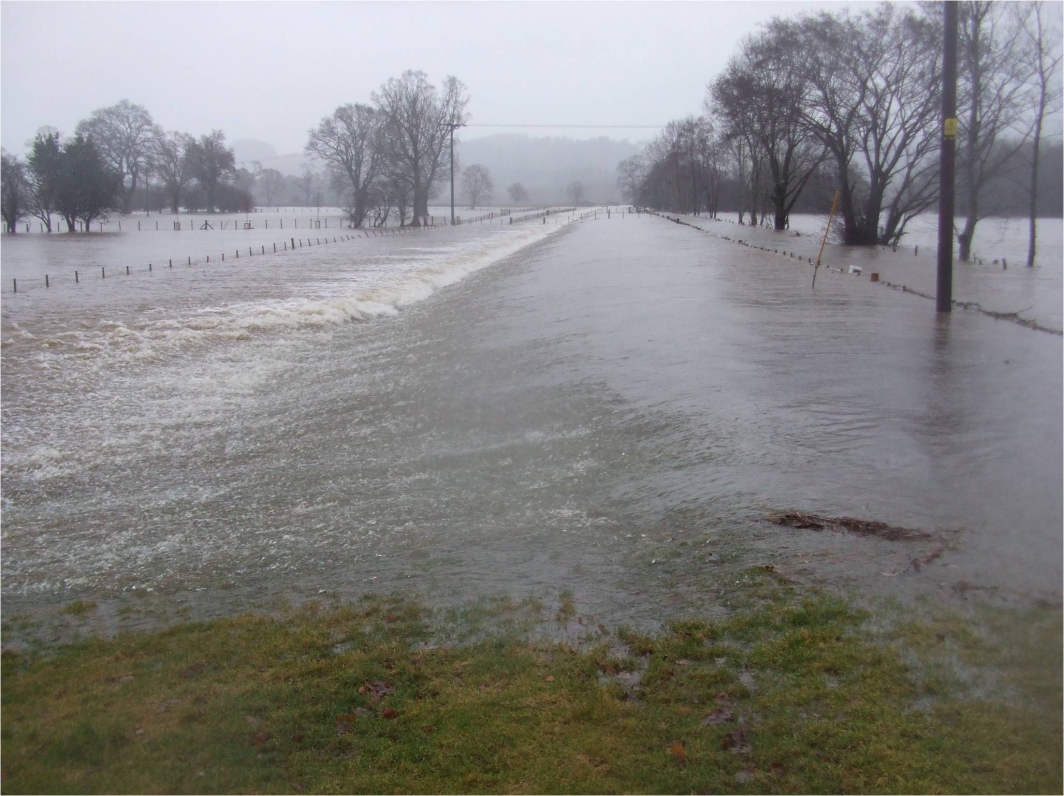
point(271, 71)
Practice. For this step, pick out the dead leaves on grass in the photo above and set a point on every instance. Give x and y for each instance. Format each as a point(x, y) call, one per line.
point(722, 713)
point(679, 752)
point(738, 740)
point(376, 689)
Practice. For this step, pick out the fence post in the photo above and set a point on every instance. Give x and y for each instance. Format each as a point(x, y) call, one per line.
point(293, 243)
point(76, 280)
point(46, 284)
point(103, 273)
point(14, 285)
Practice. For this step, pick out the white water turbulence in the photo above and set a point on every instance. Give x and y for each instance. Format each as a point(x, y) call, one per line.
point(160, 376)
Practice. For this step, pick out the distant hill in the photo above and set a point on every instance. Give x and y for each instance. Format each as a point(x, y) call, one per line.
point(544, 165)
point(547, 165)
point(248, 151)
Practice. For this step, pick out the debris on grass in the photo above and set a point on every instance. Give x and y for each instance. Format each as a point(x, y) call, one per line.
point(816, 522)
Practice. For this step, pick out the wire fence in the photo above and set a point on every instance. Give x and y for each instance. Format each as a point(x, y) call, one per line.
point(293, 243)
point(260, 218)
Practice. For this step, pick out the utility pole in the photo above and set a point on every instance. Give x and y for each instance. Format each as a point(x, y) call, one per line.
point(947, 158)
point(452, 126)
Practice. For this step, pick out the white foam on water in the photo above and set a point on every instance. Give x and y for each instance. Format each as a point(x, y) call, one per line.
point(88, 402)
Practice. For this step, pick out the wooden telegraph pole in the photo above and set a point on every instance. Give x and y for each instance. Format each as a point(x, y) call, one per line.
point(452, 126)
point(947, 158)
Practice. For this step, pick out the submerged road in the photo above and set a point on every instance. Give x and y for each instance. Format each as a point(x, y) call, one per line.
point(613, 410)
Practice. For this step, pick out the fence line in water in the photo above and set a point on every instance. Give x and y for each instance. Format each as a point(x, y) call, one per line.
point(367, 232)
point(203, 223)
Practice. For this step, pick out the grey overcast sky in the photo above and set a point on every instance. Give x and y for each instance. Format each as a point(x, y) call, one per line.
point(271, 70)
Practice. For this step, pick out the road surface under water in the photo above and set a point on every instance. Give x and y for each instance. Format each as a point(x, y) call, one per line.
point(611, 409)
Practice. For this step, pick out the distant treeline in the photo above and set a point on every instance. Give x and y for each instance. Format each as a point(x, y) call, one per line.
point(392, 154)
point(852, 103)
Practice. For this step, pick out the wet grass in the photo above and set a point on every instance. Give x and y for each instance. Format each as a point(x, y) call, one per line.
point(793, 692)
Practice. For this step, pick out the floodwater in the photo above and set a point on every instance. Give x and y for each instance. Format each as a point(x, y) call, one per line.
point(612, 407)
point(995, 278)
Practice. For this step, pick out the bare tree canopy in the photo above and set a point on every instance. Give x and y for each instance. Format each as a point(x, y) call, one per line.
point(349, 142)
point(576, 191)
point(1041, 41)
point(630, 173)
point(476, 184)
point(991, 93)
point(758, 100)
point(212, 163)
point(124, 134)
point(271, 183)
point(417, 130)
point(172, 155)
point(518, 193)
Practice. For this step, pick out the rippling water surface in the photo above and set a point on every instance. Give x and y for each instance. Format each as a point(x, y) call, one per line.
point(612, 408)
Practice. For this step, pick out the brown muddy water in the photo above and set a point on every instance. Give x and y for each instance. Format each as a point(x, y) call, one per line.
point(612, 408)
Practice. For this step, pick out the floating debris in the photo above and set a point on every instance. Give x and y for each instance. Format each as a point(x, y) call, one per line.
point(815, 522)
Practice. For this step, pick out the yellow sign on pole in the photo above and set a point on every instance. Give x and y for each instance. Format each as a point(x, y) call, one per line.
point(950, 128)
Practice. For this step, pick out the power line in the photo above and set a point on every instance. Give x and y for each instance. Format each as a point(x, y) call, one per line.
point(580, 126)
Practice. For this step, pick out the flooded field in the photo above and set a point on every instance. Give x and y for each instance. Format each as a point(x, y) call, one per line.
point(612, 408)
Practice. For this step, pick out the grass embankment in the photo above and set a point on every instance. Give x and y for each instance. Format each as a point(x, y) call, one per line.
point(786, 695)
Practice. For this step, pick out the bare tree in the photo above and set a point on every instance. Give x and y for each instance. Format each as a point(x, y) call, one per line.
point(14, 190)
point(517, 192)
point(759, 98)
point(576, 191)
point(476, 184)
point(308, 184)
point(419, 118)
point(124, 134)
point(630, 174)
point(212, 163)
point(1041, 36)
point(272, 182)
point(350, 141)
point(172, 160)
point(992, 93)
point(872, 100)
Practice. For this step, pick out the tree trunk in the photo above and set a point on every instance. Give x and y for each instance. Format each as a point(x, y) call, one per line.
point(779, 205)
point(1034, 175)
point(964, 239)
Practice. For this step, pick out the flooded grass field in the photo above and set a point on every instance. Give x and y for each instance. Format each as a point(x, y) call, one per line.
point(611, 410)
